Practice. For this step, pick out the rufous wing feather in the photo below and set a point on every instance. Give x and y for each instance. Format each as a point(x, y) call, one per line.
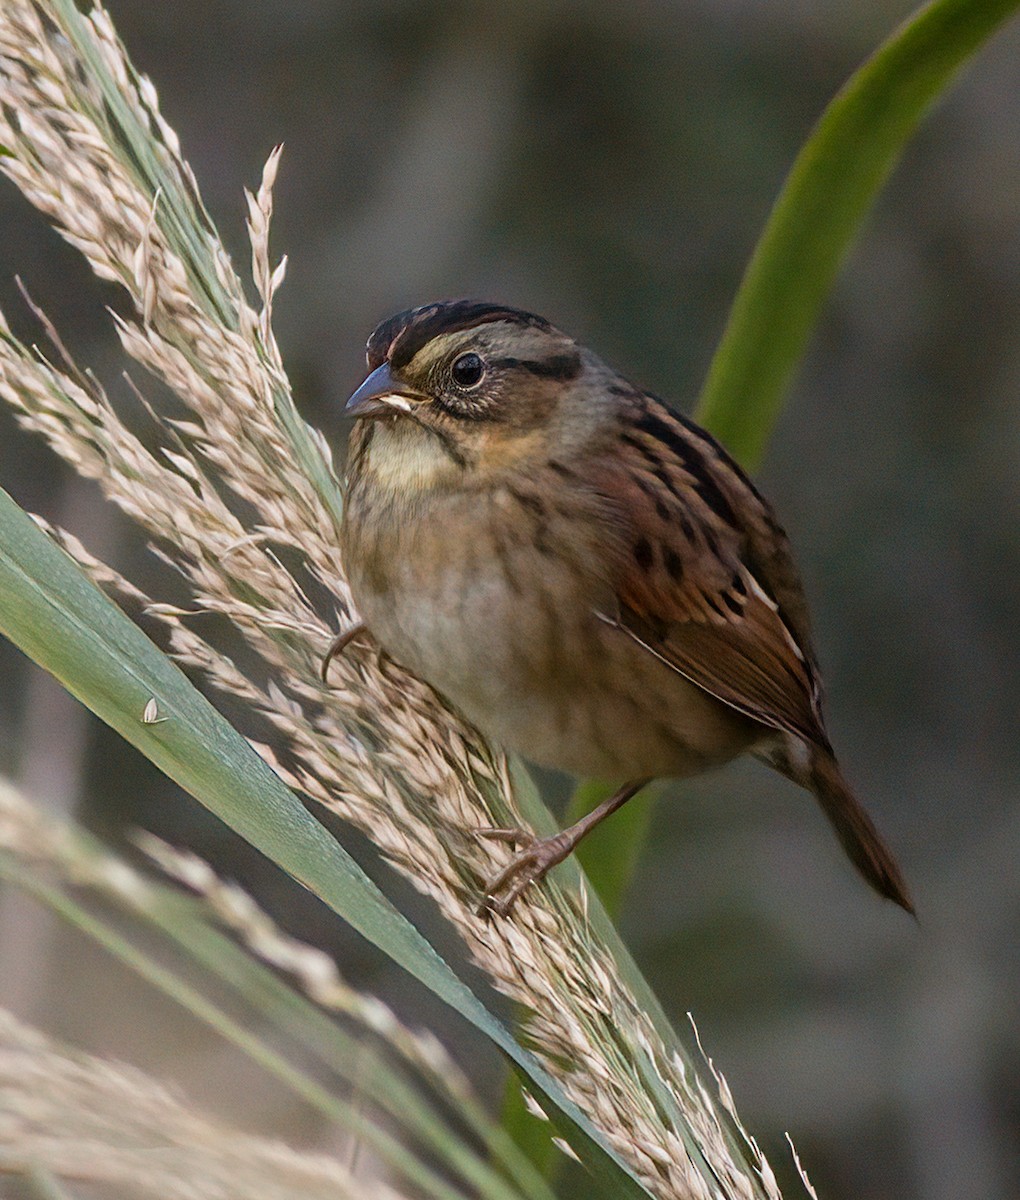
point(715, 596)
point(689, 584)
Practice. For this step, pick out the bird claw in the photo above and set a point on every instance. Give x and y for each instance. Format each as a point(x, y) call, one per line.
point(525, 868)
point(337, 646)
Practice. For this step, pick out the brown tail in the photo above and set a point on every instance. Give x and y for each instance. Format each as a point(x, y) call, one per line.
point(854, 828)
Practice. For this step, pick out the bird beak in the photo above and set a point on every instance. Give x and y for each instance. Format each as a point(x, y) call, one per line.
point(381, 396)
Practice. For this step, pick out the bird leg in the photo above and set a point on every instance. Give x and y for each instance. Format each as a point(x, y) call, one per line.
point(338, 645)
point(539, 855)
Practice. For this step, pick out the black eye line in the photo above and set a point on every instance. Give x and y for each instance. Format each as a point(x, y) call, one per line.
point(562, 367)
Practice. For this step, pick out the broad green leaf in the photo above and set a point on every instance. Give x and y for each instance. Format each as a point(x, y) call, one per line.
point(56, 615)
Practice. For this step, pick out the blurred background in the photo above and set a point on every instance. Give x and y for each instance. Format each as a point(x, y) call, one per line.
point(610, 166)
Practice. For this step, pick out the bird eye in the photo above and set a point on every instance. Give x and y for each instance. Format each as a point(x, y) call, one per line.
point(467, 370)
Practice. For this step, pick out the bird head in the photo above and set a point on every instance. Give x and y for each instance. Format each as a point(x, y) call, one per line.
point(460, 391)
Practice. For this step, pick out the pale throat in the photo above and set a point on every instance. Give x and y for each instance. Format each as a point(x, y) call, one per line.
point(404, 458)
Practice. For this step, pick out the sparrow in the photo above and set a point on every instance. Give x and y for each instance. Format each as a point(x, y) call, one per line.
point(584, 573)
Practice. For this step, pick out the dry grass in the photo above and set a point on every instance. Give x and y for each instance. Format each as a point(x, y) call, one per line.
point(86, 1120)
point(56, 850)
point(376, 746)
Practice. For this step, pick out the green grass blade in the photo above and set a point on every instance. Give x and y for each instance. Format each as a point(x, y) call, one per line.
point(386, 1065)
point(41, 1185)
point(185, 922)
point(53, 612)
point(826, 196)
point(181, 919)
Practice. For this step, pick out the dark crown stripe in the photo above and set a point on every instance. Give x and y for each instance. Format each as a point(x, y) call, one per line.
point(401, 337)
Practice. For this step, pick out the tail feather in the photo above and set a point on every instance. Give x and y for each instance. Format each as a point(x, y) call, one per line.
point(855, 830)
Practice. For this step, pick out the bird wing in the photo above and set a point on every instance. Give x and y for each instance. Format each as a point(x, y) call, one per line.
point(705, 580)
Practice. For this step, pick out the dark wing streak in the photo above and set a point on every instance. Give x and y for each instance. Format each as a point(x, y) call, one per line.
point(767, 548)
point(725, 485)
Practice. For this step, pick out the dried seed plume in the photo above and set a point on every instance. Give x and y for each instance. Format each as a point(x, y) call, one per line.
point(88, 146)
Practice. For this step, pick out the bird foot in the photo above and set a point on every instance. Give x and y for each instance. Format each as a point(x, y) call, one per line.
point(538, 856)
